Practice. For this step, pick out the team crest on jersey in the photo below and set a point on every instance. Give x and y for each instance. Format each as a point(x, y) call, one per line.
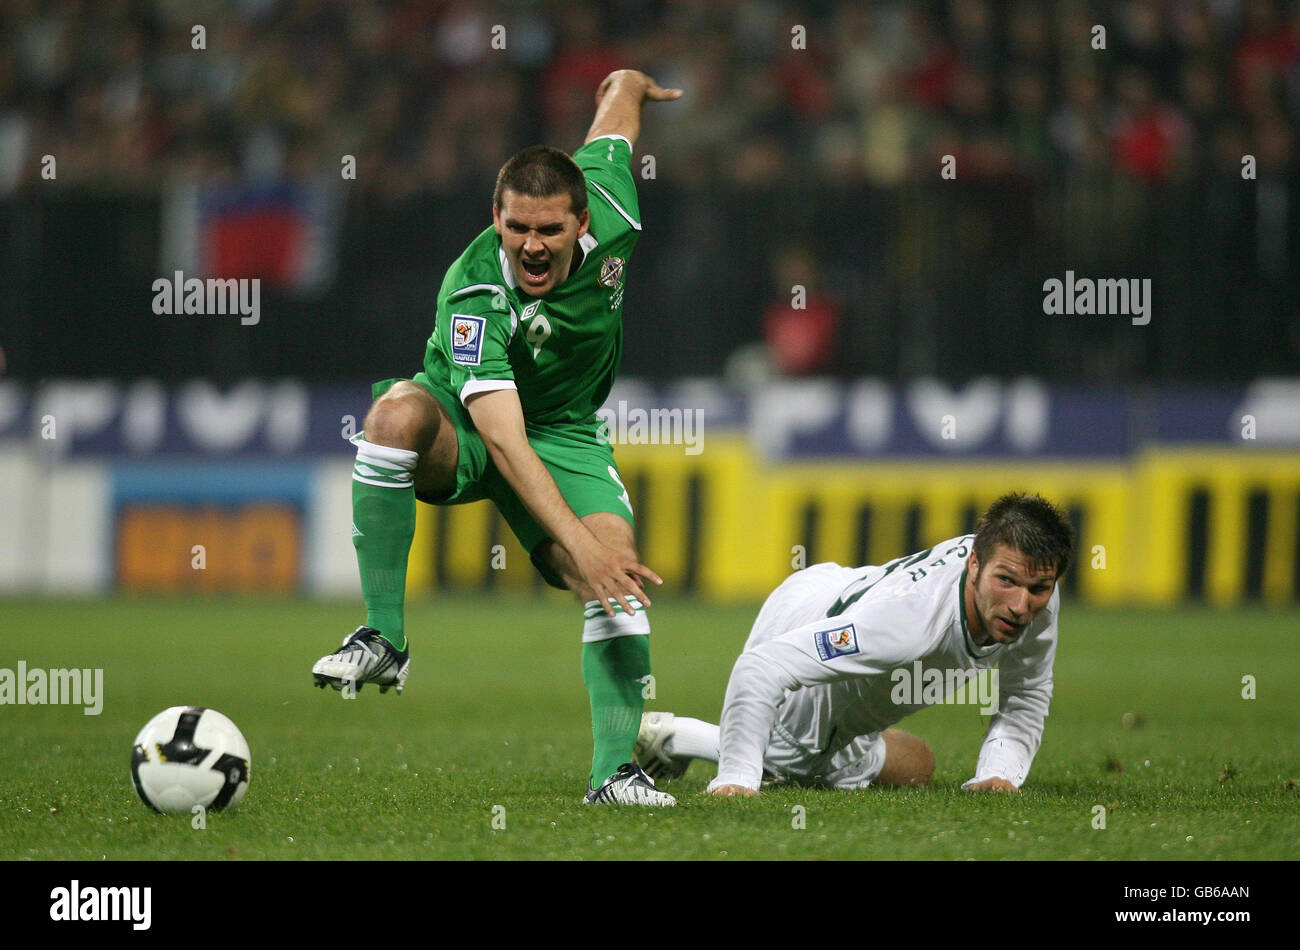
point(611, 271)
point(837, 641)
point(466, 339)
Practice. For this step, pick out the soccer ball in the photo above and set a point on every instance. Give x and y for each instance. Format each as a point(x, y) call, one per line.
point(187, 756)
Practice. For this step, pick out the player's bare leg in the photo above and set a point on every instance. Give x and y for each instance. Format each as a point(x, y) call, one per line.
point(908, 760)
point(408, 444)
point(616, 668)
point(408, 417)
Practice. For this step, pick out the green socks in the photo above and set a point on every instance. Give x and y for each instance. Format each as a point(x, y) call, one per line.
point(383, 524)
point(615, 672)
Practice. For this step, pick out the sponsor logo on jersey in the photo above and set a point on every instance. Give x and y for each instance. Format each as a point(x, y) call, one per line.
point(837, 641)
point(611, 271)
point(466, 339)
point(530, 310)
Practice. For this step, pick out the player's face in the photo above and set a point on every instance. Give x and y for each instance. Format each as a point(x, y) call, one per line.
point(539, 235)
point(1008, 593)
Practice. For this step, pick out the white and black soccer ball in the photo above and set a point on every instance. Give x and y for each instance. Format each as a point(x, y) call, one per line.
point(187, 756)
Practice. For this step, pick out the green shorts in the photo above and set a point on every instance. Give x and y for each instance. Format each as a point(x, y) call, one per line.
point(581, 463)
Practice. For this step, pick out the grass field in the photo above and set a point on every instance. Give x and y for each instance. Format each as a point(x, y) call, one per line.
point(495, 715)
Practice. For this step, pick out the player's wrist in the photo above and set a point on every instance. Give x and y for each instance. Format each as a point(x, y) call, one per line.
point(740, 781)
point(632, 80)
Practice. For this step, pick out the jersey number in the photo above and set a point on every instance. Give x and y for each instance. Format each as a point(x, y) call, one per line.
point(613, 473)
point(538, 332)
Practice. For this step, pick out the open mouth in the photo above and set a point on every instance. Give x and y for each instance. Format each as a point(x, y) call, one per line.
point(535, 272)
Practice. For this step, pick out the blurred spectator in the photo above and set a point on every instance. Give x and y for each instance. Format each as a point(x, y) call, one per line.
point(1148, 134)
point(801, 325)
point(1077, 127)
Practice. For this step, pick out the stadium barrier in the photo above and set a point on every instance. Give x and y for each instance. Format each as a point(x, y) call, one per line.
point(1162, 526)
point(1167, 525)
point(1178, 494)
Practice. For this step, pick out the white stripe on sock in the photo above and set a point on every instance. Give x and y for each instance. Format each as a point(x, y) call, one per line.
point(369, 453)
point(603, 627)
point(373, 459)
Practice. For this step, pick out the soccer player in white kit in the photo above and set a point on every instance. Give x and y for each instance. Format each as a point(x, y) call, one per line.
point(812, 697)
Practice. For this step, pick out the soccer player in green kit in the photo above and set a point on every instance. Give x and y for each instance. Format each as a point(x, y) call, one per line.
point(525, 348)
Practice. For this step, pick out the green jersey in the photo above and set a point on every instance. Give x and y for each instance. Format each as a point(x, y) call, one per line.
point(560, 351)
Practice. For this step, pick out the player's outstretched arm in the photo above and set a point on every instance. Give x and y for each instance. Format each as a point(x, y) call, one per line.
point(499, 419)
point(618, 103)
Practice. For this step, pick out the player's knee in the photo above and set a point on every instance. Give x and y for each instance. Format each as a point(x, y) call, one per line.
point(925, 764)
point(908, 760)
point(405, 418)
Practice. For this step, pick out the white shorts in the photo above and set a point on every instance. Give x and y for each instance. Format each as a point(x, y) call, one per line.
point(803, 748)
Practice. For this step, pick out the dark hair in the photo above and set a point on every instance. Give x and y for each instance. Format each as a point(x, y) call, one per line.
point(540, 171)
point(1032, 525)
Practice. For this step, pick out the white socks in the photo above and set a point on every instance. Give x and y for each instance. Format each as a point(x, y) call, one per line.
point(693, 737)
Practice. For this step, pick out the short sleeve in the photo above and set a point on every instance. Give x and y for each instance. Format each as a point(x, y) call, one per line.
point(606, 162)
point(474, 334)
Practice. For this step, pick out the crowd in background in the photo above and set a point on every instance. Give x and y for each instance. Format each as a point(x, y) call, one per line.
point(428, 95)
point(1109, 135)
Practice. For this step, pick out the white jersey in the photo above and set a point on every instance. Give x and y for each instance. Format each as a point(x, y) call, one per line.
point(817, 674)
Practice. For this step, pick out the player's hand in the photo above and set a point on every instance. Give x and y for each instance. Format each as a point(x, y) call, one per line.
point(611, 574)
point(994, 784)
point(650, 89)
point(728, 790)
point(656, 93)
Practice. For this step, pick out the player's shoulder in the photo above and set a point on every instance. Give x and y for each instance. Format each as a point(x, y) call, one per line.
point(955, 546)
point(611, 188)
point(931, 569)
point(920, 594)
point(476, 281)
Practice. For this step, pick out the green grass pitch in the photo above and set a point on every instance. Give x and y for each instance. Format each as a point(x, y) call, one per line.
point(494, 725)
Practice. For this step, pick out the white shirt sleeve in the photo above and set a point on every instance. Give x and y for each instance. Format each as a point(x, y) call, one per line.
point(1024, 694)
point(834, 648)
